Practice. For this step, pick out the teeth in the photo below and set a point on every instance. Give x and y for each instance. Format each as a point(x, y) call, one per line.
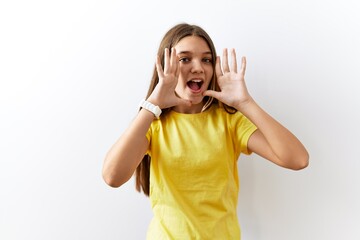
point(196, 80)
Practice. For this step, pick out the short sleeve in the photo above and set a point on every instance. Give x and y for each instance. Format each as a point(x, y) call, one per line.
point(242, 129)
point(148, 137)
point(151, 134)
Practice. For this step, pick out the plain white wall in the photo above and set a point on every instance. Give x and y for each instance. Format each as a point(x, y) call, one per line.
point(72, 74)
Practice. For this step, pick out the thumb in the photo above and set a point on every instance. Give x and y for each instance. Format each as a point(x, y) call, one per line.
point(212, 93)
point(183, 102)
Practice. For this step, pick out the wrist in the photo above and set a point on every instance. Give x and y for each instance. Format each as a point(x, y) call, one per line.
point(151, 107)
point(154, 101)
point(246, 105)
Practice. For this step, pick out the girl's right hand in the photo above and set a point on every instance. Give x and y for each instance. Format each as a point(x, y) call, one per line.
point(164, 94)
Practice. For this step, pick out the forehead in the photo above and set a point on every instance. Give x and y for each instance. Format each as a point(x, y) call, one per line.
point(192, 44)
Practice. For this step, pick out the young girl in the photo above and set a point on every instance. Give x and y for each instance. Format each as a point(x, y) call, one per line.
point(185, 141)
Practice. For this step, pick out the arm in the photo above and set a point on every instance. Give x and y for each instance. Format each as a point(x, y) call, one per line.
point(126, 154)
point(272, 140)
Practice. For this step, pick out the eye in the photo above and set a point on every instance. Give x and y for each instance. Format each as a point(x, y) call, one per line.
point(184, 59)
point(207, 60)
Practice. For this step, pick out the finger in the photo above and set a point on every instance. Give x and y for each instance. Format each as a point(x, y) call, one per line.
point(233, 60)
point(212, 93)
point(159, 68)
point(166, 61)
point(177, 71)
point(225, 64)
point(218, 68)
point(243, 65)
point(173, 60)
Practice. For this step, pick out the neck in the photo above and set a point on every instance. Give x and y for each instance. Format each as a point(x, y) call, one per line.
point(194, 108)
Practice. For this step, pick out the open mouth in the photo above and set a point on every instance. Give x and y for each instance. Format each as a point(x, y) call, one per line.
point(195, 84)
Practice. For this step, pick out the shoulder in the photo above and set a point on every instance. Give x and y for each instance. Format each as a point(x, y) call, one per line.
point(230, 115)
point(233, 118)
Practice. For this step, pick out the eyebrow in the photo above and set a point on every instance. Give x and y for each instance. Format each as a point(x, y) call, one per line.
point(187, 52)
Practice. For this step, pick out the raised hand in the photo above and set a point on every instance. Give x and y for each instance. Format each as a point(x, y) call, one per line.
point(164, 93)
point(233, 91)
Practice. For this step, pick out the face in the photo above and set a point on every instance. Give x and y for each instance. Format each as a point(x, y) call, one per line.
point(196, 68)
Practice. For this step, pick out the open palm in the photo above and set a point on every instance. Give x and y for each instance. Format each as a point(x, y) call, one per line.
point(233, 91)
point(164, 93)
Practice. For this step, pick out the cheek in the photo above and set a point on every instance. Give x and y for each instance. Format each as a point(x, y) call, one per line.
point(182, 75)
point(209, 73)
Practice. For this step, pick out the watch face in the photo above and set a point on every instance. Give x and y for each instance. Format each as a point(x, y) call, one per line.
point(157, 111)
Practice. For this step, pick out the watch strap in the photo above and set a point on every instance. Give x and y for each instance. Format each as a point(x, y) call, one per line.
point(151, 107)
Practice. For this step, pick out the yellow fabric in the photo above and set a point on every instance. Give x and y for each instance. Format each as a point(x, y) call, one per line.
point(193, 175)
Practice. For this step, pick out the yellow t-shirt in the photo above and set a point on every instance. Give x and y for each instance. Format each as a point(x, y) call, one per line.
point(193, 175)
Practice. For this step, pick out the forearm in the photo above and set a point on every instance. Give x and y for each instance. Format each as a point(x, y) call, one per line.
point(126, 154)
point(289, 151)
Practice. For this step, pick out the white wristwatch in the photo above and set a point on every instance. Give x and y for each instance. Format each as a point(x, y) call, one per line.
point(151, 107)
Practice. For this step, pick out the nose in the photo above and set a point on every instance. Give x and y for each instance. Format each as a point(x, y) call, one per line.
point(197, 66)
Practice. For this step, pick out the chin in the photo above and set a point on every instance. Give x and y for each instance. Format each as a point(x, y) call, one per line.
point(196, 100)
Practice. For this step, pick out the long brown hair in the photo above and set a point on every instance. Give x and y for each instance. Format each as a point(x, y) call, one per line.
point(171, 38)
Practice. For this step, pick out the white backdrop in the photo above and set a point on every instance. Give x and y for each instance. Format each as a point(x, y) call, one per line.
point(72, 74)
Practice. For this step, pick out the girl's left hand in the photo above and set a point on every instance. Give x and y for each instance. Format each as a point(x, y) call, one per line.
point(233, 91)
